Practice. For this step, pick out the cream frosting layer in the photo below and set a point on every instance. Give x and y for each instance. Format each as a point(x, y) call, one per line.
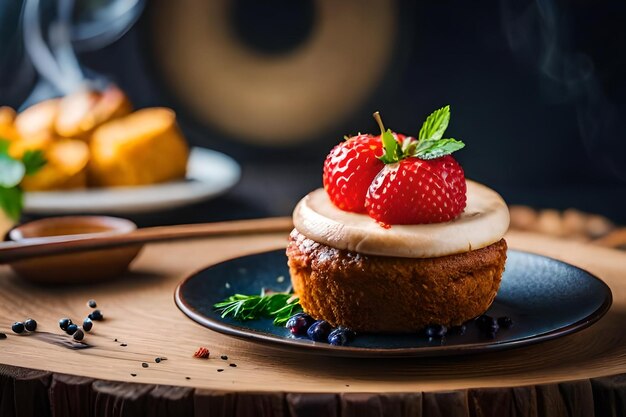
point(484, 221)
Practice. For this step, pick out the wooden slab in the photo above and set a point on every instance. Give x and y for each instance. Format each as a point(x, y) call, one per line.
point(140, 313)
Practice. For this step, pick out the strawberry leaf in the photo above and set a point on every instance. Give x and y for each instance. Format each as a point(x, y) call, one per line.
point(393, 153)
point(435, 124)
point(431, 149)
point(429, 145)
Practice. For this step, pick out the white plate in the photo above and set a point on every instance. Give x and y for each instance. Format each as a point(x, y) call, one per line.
point(209, 174)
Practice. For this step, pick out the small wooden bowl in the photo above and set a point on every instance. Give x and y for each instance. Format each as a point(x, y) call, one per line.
point(80, 267)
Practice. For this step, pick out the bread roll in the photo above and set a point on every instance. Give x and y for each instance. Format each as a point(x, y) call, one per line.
point(145, 147)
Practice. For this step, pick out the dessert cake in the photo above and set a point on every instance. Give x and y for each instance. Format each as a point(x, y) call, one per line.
point(398, 240)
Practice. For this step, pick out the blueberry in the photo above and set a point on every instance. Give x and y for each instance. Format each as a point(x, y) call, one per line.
point(78, 334)
point(30, 325)
point(484, 320)
point(96, 315)
point(18, 327)
point(319, 331)
point(492, 327)
point(350, 334)
point(505, 322)
point(337, 339)
point(92, 303)
point(340, 336)
point(64, 323)
point(487, 324)
point(71, 329)
point(458, 329)
point(87, 324)
point(436, 330)
point(299, 323)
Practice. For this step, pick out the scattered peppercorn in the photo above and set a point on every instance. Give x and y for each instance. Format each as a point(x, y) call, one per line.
point(133, 374)
point(232, 365)
point(224, 357)
point(71, 329)
point(30, 325)
point(18, 327)
point(87, 324)
point(96, 315)
point(123, 345)
point(144, 365)
point(202, 353)
point(3, 336)
point(220, 370)
point(158, 360)
point(78, 334)
point(92, 303)
point(64, 323)
point(187, 377)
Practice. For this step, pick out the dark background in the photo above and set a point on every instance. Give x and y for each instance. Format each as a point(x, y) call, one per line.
point(537, 93)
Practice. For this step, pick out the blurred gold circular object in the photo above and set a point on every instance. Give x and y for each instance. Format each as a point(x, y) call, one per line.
point(273, 99)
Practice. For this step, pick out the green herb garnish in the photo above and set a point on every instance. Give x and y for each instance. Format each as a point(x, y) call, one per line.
point(12, 171)
point(429, 144)
point(279, 306)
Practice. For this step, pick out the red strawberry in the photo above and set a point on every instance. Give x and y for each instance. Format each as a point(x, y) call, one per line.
point(349, 170)
point(414, 191)
point(421, 182)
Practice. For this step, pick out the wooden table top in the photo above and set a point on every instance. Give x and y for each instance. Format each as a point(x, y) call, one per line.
point(141, 314)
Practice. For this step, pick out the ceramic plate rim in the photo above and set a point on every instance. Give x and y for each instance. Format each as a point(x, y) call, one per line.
point(214, 173)
point(251, 335)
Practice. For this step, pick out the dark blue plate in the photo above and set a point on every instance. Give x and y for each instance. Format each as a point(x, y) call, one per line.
point(545, 298)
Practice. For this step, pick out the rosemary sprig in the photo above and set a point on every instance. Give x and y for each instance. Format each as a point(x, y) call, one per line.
point(242, 307)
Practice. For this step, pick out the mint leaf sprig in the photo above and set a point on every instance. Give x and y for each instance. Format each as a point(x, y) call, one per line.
point(429, 145)
point(279, 306)
point(12, 172)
